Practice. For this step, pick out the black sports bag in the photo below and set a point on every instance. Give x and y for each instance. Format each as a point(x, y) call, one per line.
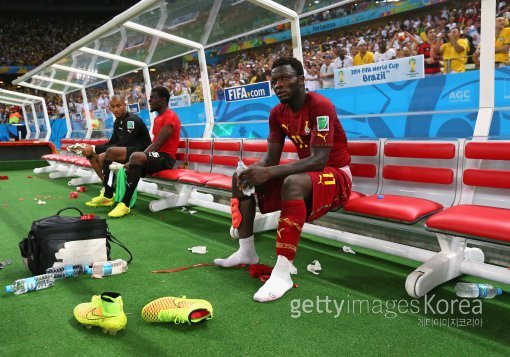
point(62, 240)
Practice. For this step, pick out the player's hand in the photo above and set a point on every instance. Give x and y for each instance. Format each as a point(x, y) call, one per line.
point(253, 176)
point(87, 151)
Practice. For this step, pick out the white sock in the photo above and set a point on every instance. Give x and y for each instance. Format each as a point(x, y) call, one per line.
point(279, 283)
point(245, 255)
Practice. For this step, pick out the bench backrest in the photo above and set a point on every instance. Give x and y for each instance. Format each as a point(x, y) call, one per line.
point(181, 156)
point(364, 165)
point(254, 150)
point(226, 155)
point(486, 173)
point(199, 154)
point(422, 169)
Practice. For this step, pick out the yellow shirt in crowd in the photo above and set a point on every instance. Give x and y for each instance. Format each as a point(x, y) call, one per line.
point(501, 40)
point(457, 59)
point(367, 58)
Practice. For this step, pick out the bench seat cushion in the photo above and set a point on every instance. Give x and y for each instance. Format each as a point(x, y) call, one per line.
point(199, 178)
point(224, 183)
point(393, 207)
point(172, 174)
point(474, 221)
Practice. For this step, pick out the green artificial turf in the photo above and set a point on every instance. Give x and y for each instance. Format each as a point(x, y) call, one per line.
point(41, 323)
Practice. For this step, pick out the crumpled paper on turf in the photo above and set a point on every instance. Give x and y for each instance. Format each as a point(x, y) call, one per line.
point(314, 268)
point(347, 249)
point(201, 249)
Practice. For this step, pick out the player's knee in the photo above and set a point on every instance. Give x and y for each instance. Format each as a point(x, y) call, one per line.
point(137, 158)
point(294, 185)
point(108, 153)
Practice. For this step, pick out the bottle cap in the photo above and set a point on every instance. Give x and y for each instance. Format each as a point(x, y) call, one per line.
point(499, 291)
point(8, 288)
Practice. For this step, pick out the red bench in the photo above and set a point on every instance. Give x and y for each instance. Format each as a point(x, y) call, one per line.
point(418, 179)
point(482, 212)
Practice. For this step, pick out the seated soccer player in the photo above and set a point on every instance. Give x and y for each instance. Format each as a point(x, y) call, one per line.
point(304, 190)
point(160, 155)
point(130, 134)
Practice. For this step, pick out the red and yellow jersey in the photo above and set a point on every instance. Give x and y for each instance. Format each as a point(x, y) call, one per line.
point(316, 124)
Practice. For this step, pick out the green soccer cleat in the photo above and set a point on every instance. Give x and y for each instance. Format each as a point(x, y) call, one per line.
point(119, 211)
point(101, 201)
point(105, 311)
point(177, 310)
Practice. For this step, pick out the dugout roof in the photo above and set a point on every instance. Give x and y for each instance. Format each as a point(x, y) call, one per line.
point(154, 31)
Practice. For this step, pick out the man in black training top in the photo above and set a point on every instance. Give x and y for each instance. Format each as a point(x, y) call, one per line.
point(130, 134)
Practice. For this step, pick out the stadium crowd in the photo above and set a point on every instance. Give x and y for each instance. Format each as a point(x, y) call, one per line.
point(448, 36)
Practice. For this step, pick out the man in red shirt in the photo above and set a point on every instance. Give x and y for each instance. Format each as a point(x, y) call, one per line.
point(160, 155)
point(429, 50)
point(304, 190)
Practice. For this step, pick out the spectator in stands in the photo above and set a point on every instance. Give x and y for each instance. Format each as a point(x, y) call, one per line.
point(343, 60)
point(384, 54)
point(303, 190)
point(160, 155)
point(502, 45)
point(454, 52)
point(312, 81)
point(15, 116)
point(236, 79)
point(429, 49)
point(502, 42)
point(364, 56)
point(130, 134)
point(327, 72)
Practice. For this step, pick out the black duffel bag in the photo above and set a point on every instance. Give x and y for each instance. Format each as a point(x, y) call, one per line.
point(62, 240)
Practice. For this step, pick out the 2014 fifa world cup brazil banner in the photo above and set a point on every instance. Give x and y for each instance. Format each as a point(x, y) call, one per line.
point(401, 69)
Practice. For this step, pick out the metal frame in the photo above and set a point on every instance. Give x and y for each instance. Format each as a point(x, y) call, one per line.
point(30, 99)
point(487, 69)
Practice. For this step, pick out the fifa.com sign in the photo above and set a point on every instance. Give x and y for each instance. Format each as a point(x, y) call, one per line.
point(249, 91)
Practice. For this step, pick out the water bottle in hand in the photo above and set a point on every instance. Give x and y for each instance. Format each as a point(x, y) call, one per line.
point(101, 269)
point(248, 191)
point(66, 271)
point(472, 290)
point(38, 282)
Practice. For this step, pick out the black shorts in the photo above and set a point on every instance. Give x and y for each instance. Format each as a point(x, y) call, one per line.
point(158, 161)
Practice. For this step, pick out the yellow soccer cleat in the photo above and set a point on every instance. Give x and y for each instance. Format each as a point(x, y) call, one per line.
point(119, 211)
point(105, 311)
point(177, 310)
point(101, 201)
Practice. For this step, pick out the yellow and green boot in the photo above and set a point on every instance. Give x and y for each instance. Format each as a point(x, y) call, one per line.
point(101, 201)
point(177, 310)
point(105, 311)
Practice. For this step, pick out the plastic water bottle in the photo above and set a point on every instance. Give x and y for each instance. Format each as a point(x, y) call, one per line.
point(101, 269)
point(248, 191)
point(66, 271)
point(472, 290)
point(38, 282)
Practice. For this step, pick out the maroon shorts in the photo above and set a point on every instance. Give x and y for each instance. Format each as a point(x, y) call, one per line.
point(331, 190)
